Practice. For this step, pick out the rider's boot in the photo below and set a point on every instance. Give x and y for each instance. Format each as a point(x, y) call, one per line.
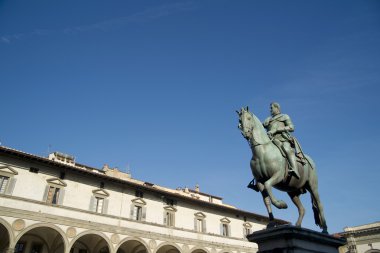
point(293, 166)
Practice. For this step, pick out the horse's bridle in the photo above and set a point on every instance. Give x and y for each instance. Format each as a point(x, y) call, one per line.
point(254, 143)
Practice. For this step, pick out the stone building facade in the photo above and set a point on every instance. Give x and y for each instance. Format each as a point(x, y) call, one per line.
point(55, 205)
point(362, 239)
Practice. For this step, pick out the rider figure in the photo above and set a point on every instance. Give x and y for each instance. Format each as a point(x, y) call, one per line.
point(278, 127)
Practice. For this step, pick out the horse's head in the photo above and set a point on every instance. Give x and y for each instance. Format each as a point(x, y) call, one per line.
point(251, 127)
point(245, 122)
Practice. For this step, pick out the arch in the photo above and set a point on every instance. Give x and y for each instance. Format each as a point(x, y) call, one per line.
point(372, 251)
point(199, 250)
point(132, 245)
point(91, 241)
point(167, 247)
point(6, 236)
point(42, 234)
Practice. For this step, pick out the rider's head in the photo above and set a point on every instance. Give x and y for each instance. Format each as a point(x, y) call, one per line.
point(275, 108)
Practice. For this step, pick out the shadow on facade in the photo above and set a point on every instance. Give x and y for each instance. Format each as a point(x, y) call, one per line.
point(90, 243)
point(40, 240)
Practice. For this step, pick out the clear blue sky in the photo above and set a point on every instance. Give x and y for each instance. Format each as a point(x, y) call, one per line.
point(154, 85)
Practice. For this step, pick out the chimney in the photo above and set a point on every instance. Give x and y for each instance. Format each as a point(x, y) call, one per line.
point(106, 167)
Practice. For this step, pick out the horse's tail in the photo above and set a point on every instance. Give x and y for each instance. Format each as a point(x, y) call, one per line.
point(312, 186)
point(317, 215)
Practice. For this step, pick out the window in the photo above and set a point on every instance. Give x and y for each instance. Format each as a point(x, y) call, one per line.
point(7, 179)
point(98, 204)
point(20, 247)
point(54, 191)
point(36, 248)
point(169, 219)
point(3, 183)
point(53, 195)
point(139, 194)
point(137, 212)
point(169, 216)
point(199, 225)
point(138, 209)
point(225, 227)
point(247, 229)
point(99, 201)
point(200, 222)
point(34, 170)
point(170, 202)
point(225, 230)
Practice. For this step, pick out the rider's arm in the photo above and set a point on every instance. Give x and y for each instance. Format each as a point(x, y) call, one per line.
point(266, 122)
point(289, 127)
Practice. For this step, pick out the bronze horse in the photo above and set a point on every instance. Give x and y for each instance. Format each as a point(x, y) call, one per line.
point(269, 169)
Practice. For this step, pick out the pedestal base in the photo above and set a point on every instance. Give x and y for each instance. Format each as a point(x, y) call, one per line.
point(286, 239)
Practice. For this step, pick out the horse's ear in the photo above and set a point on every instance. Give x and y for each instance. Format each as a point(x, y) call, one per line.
point(247, 108)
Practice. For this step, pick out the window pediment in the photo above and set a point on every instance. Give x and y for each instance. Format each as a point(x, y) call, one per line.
point(56, 182)
point(170, 208)
point(139, 201)
point(100, 193)
point(247, 225)
point(200, 215)
point(8, 171)
point(225, 220)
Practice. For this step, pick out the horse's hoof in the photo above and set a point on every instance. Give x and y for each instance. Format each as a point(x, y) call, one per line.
point(272, 224)
point(280, 204)
point(298, 224)
point(324, 231)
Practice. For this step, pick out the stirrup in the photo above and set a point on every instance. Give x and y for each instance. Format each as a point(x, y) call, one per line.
point(253, 186)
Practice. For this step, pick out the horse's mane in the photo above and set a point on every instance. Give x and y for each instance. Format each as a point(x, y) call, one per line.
point(259, 133)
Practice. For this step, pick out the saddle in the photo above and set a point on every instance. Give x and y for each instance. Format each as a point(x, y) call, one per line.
point(300, 157)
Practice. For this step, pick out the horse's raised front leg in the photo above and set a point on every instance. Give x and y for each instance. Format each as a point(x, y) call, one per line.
point(295, 196)
point(275, 179)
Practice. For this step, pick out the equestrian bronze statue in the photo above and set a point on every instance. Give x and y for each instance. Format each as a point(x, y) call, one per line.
point(278, 161)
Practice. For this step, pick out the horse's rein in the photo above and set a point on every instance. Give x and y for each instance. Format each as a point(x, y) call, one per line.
point(254, 142)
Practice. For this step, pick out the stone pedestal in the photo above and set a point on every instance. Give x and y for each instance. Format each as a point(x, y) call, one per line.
point(291, 239)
